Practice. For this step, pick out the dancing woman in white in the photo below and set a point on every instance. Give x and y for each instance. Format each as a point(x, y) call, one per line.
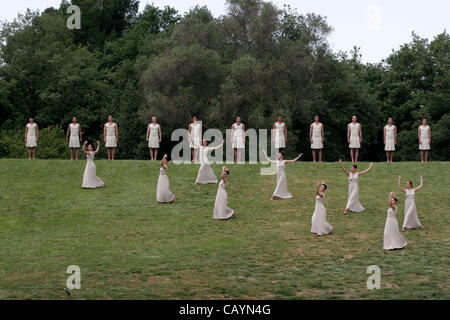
point(238, 136)
point(411, 218)
point(111, 137)
point(279, 134)
point(390, 140)
point(221, 210)
point(163, 193)
point(354, 137)
point(316, 137)
point(154, 138)
point(319, 224)
point(31, 137)
point(195, 133)
point(392, 237)
point(353, 203)
point(205, 173)
point(74, 136)
point(281, 190)
point(90, 179)
point(424, 140)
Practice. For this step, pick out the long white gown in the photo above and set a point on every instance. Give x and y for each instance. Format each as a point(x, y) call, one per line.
point(110, 135)
point(31, 136)
point(90, 179)
point(153, 137)
point(319, 224)
point(221, 210)
point(317, 136)
point(411, 218)
point(281, 190)
point(238, 137)
point(74, 140)
point(280, 139)
point(392, 237)
point(390, 138)
point(163, 193)
point(353, 203)
point(355, 142)
point(205, 173)
point(424, 137)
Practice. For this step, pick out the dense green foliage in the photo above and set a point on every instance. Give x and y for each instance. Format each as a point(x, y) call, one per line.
point(255, 61)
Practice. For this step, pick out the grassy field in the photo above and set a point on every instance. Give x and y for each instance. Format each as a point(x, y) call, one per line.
point(130, 247)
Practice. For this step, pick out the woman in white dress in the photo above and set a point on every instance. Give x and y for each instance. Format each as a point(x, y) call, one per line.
point(354, 137)
point(205, 173)
point(163, 193)
point(221, 210)
point(31, 137)
point(316, 137)
point(154, 137)
point(111, 137)
point(195, 132)
point(392, 237)
point(411, 218)
point(390, 140)
point(279, 134)
point(90, 179)
point(353, 203)
point(424, 140)
point(238, 136)
point(319, 224)
point(74, 136)
point(281, 190)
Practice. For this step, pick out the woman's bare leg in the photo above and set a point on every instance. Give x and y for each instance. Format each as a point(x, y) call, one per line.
point(34, 153)
point(314, 155)
point(421, 155)
point(356, 155)
point(113, 151)
point(156, 154)
point(76, 153)
point(426, 156)
point(351, 155)
point(320, 155)
point(29, 153)
point(71, 153)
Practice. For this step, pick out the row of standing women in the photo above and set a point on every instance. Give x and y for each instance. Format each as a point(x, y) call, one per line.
point(279, 137)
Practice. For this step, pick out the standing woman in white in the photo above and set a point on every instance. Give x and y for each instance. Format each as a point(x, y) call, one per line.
point(390, 140)
point(392, 237)
point(281, 190)
point(195, 132)
point(111, 137)
point(319, 224)
point(73, 136)
point(424, 140)
point(163, 193)
point(354, 137)
point(411, 218)
point(279, 134)
point(221, 210)
point(316, 137)
point(205, 173)
point(238, 136)
point(90, 179)
point(154, 137)
point(353, 203)
point(31, 137)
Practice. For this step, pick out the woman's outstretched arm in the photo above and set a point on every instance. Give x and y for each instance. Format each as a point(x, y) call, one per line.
point(367, 170)
point(343, 168)
point(400, 184)
point(421, 184)
point(265, 154)
point(299, 156)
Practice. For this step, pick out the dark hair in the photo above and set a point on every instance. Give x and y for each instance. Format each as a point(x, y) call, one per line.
point(282, 153)
point(396, 200)
point(279, 115)
point(31, 117)
point(410, 183)
point(354, 165)
point(227, 172)
point(324, 186)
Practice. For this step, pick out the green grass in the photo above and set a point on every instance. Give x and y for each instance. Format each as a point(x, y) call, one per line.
point(130, 247)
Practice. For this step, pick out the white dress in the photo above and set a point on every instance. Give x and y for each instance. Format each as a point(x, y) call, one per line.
point(353, 203)
point(153, 137)
point(319, 224)
point(74, 140)
point(221, 210)
point(390, 138)
point(354, 136)
point(238, 137)
point(280, 139)
point(163, 193)
point(205, 173)
point(392, 237)
point(411, 218)
point(31, 136)
point(110, 135)
point(316, 136)
point(281, 190)
point(196, 133)
point(424, 132)
point(90, 179)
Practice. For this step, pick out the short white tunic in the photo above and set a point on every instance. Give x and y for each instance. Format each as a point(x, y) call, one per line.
point(153, 137)
point(238, 137)
point(74, 140)
point(280, 139)
point(110, 135)
point(317, 136)
point(196, 133)
point(31, 136)
point(424, 137)
point(390, 138)
point(355, 142)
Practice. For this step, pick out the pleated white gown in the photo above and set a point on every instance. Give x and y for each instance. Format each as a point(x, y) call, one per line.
point(354, 136)
point(281, 190)
point(153, 137)
point(74, 141)
point(424, 132)
point(31, 136)
point(90, 179)
point(390, 138)
point(205, 173)
point(411, 218)
point(392, 237)
point(221, 210)
point(111, 136)
point(163, 193)
point(353, 203)
point(319, 224)
point(280, 139)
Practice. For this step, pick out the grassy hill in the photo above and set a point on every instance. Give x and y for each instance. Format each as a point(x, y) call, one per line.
point(130, 247)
